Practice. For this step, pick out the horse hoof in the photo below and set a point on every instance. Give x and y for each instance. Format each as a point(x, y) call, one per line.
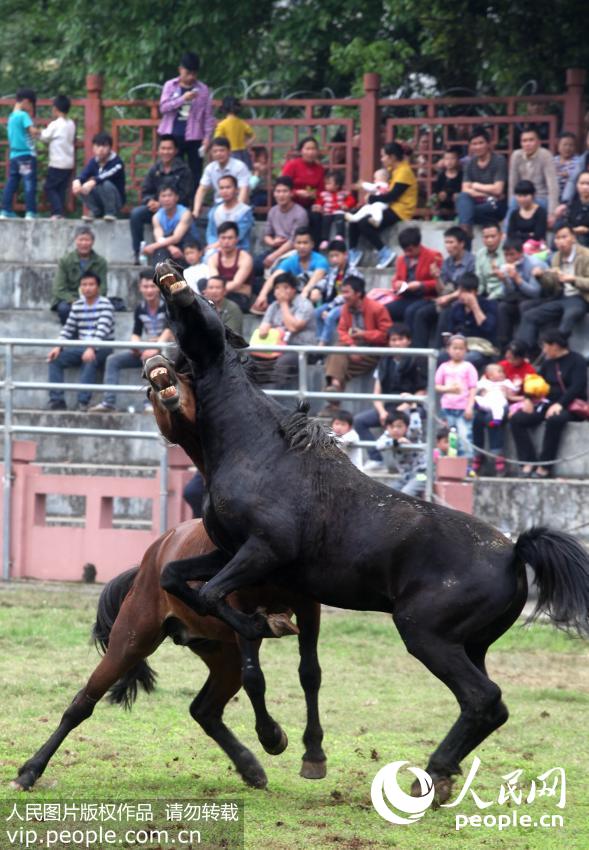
point(281, 625)
point(22, 784)
point(442, 788)
point(276, 749)
point(256, 778)
point(313, 769)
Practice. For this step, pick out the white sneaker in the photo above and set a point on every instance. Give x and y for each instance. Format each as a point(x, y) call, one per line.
point(88, 216)
point(373, 465)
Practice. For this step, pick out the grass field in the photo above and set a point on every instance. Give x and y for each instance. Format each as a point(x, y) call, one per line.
point(377, 705)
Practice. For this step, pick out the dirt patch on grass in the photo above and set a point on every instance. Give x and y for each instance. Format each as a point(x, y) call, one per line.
point(541, 670)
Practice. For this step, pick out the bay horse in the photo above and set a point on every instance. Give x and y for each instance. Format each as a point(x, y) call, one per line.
point(135, 615)
point(286, 505)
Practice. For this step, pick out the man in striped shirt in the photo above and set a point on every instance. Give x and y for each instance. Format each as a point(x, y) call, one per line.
point(91, 318)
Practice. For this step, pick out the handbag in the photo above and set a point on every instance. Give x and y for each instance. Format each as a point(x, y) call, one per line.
point(275, 336)
point(579, 407)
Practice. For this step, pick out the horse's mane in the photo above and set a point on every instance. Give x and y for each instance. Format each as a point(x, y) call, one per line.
point(303, 433)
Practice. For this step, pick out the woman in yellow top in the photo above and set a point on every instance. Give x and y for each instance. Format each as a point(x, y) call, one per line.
point(237, 131)
point(401, 198)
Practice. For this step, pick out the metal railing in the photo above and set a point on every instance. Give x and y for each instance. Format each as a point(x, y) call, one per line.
point(9, 385)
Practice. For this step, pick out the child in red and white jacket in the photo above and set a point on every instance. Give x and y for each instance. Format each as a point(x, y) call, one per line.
point(333, 203)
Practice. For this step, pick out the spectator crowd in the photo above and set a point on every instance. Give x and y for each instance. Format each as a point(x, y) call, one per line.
point(501, 316)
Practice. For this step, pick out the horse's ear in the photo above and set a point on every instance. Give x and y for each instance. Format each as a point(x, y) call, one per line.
point(234, 339)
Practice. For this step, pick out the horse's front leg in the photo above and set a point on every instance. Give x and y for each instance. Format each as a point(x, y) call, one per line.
point(252, 564)
point(176, 575)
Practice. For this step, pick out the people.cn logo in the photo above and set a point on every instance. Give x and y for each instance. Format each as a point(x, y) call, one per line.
point(392, 803)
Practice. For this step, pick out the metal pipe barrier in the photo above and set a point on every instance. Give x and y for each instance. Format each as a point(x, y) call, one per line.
point(9, 386)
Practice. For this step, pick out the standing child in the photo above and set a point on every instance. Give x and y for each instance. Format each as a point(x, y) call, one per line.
point(237, 131)
point(333, 204)
point(60, 136)
point(374, 211)
point(342, 426)
point(23, 157)
point(457, 381)
point(411, 463)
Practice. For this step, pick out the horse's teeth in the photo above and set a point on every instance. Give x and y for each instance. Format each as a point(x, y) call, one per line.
point(168, 391)
point(160, 370)
point(178, 285)
point(164, 276)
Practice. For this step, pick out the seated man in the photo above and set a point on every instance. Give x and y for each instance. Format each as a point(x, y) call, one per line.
point(534, 163)
point(475, 318)
point(414, 282)
point(150, 324)
point(168, 168)
point(91, 318)
point(101, 183)
point(215, 291)
point(66, 286)
point(294, 316)
point(489, 260)
point(567, 286)
point(519, 276)
point(433, 313)
point(482, 199)
point(577, 212)
point(223, 163)
point(363, 322)
point(233, 265)
point(230, 209)
point(393, 375)
point(172, 227)
point(282, 222)
point(307, 265)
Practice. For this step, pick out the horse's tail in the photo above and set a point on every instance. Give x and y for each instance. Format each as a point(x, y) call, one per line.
point(561, 569)
point(124, 691)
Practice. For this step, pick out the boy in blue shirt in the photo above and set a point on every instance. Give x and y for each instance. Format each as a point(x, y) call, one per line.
point(307, 265)
point(23, 158)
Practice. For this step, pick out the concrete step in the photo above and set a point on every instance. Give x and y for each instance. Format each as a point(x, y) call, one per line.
point(45, 241)
point(29, 286)
point(67, 448)
point(39, 323)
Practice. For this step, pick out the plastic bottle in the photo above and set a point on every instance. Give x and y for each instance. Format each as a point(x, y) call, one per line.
point(142, 254)
point(453, 442)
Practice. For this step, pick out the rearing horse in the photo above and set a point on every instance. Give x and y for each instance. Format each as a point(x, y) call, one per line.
point(287, 505)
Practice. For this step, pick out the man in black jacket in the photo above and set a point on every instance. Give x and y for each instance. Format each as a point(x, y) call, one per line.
point(392, 375)
point(566, 373)
point(171, 169)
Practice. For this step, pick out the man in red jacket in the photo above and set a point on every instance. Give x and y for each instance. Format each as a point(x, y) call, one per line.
point(362, 322)
point(416, 276)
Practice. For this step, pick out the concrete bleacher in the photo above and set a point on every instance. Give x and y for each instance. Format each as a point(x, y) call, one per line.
point(29, 253)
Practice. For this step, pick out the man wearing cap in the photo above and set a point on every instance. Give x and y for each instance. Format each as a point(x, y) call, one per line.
point(186, 108)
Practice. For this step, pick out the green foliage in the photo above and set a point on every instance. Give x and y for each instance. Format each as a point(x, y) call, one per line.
point(303, 45)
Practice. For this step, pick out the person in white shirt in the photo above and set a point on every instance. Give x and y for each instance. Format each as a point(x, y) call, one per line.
point(342, 426)
point(60, 135)
point(223, 163)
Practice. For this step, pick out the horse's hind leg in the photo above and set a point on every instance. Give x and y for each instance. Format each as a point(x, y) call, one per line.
point(271, 736)
point(120, 657)
point(207, 709)
point(481, 708)
point(308, 615)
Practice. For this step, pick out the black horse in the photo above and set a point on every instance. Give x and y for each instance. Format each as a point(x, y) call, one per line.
point(285, 503)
